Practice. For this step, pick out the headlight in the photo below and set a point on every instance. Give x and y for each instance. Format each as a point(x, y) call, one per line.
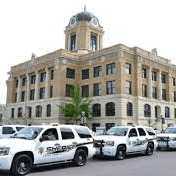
point(4, 151)
point(111, 143)
point(172, 139)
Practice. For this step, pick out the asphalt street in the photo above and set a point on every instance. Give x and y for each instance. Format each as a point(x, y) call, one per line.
point(160, 164)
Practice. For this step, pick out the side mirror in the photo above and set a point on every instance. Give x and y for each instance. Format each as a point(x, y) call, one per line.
point(41, 139)
point(13, 132)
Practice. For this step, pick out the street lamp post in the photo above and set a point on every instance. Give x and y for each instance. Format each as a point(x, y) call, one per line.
point(162, 122)
point(83, 118)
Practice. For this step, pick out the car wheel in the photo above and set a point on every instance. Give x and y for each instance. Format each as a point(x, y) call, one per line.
point(80, 157)
point(120, 153)
point(22, 165)
point(150, 149)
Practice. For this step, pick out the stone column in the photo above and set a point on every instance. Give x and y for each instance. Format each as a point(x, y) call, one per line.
point(150, 82)
point(47, 83)
point(36, 85)
point(139, 77)
point(19, 89)
point(170, 92)
point(27, 87)
point(159, 86)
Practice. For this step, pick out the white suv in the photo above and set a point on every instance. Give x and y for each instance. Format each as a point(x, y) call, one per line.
point(45, 145)
point(120, 141)
point(9, 130)
point(167, 140)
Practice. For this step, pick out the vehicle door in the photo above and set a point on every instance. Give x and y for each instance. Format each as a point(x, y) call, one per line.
point(49, 147)
point(143, 139)
point(133, 140)
point(69, 142)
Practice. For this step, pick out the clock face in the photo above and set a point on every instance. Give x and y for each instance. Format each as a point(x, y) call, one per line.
point(73, 21)
point(95, 22)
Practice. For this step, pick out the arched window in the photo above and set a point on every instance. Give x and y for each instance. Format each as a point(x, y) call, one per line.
point(147, 110)
point(129, 109)
point(48, 110)
point(110, 109)
point(38, 111)
point(167, 112)
point(96, 110)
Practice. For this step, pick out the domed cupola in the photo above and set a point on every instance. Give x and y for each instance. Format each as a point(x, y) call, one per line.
point(83, 33)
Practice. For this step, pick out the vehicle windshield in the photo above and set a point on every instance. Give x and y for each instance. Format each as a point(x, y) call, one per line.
point(116, 131)
point(171, 130)
point(29, 133)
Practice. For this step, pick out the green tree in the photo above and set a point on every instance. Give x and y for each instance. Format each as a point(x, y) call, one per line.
point(77, 104)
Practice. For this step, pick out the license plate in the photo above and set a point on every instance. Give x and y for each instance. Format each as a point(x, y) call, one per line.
point(162, 143)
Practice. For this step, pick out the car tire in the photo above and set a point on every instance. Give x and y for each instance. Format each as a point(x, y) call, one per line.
point(120, 153)
point(21, 165)
point(149, 149)
point(80, 158)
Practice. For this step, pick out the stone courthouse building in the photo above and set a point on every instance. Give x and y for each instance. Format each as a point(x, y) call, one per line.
point(127, 85)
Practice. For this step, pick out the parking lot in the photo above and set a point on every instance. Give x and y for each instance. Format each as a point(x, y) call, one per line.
point(160, 164)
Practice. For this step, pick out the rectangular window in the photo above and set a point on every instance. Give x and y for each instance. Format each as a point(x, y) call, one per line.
point(16, 97)
point(144, 73)
point(42, 93)
point(23, 81)
point(174, 96)
point(110, 69)
point(85, 90)
point(174, 81)
point(96, 89)
point(16, 83)
point(51, 91)
point(97, 71)
point(144, 90)
point(32, 94)
point(69, 90)
point(154, 76)
point(85, 74)
point(67, 133)
point(73, 42)
point(70, 73)
point(128, 68)
point(51, 74)
point(20, 112)
point(12, 113)
point(164, 94)
point(22, 96)
point(93, 42)
point(83, 132)
point(110, 87)
point(154, 92)
point(42, 76)
point(128, 87)
point(163, 78)
point(32, 79)
point(175, 113)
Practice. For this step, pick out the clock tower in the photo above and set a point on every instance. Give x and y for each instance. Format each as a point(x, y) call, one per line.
point(83, 33)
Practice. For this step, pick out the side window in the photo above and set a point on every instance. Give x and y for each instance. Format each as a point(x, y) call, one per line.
point(67, 133)
point(150, 132)
point(50, 135)
point(83, 132)
point(7, 130)
point(133, 133)
point(141, 132)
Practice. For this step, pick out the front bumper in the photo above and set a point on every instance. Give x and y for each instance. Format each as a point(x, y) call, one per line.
point(5, 163)
point(169, 144)
point(106, 151)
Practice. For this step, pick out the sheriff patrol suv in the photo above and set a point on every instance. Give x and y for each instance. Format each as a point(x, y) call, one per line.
point(120, 141)
point(167, 140)
point(45, 145)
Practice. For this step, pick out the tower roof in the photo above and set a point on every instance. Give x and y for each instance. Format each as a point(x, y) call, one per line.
point(84, 16)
